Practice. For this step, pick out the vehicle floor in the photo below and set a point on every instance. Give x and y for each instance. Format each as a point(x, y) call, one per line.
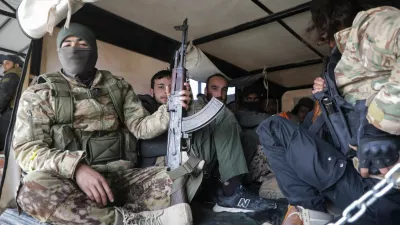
point(202, 215)
point(202, 210)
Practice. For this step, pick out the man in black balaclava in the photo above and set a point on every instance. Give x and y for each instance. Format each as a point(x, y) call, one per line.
point(249, 116)
point(77, 51)
point(75, 137)
point(251, 102)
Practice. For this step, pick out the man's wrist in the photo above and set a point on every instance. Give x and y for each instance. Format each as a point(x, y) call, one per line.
point(78, 165)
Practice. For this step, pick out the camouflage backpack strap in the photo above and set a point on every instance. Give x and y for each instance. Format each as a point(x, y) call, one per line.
point(114, 87)
point(63, 99)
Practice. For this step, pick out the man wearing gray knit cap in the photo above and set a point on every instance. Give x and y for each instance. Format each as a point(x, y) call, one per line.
point(75, 138)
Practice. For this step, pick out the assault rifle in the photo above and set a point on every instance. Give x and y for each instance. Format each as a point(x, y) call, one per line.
point(181, 127)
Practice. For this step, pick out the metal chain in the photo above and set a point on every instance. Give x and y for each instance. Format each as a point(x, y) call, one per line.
point(356, 209)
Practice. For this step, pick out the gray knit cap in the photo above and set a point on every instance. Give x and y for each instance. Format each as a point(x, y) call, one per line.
point(78, 30)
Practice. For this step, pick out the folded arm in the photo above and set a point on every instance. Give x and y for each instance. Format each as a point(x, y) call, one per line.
point(32, 141)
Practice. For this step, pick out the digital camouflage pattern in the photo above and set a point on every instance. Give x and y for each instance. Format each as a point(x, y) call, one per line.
point(269, 188)
point(255, 157)
point(370, 65)
point(260, 171)
point(48, 191)
point(48, 197)
point(32, 140)
point(258, 167)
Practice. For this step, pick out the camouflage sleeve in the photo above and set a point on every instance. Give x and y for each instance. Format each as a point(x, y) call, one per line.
point(8, 86)
point(32, 138)
point(139, 121)
point(384, 107)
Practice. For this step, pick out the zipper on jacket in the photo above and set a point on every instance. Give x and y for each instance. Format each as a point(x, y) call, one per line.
point(31, 123)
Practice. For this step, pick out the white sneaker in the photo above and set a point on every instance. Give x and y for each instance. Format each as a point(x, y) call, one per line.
point(179, 214)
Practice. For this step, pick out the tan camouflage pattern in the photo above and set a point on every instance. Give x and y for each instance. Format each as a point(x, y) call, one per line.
point(51, 198)
point(32, 141)
point(258, 168)
point(269, 188)
point(370, 65)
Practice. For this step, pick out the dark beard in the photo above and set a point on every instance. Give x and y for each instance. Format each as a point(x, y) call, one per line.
point(209, 97)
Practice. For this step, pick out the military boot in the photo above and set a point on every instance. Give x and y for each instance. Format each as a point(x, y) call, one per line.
point(297, 215)
point(179, 214)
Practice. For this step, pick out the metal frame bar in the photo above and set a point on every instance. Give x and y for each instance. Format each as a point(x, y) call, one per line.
point(198, 87)
point(296, 35)
point(8, 5)
point(299, 87)
point(25, 48)
point(12, 52)
point(253, 24)
point(5, 23)
point(8, 14)
point(290, 66)
point(10, 130)
point(36, 59)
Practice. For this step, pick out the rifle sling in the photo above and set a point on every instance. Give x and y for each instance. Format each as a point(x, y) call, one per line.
point(192, 185)
point(178, 184)
point(190, 166)
point(180, 178)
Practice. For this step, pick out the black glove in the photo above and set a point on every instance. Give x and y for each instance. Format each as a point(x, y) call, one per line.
point(377, 149)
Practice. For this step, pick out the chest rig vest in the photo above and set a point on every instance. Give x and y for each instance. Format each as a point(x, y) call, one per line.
point(100, 146)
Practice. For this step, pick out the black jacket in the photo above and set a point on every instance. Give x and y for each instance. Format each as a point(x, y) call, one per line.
point(8, 87)
point(149, 103)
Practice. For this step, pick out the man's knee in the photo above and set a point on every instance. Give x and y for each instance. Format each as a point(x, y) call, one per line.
point(275, 124)
point(41, 192)
point(276, 131)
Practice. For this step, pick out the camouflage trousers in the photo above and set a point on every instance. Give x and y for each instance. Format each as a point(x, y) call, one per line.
point(258, 167)
point(54, 199)
point(260, 171)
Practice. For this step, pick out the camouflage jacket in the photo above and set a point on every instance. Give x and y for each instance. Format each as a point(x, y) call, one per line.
point(370, 65)
point(32, 141)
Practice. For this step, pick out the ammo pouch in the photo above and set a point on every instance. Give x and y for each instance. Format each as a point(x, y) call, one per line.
point(100, 146)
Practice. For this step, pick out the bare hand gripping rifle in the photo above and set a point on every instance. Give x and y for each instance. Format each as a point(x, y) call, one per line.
point(181, 127)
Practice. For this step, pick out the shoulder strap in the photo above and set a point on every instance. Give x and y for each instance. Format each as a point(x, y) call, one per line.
point(114, 87)
point(335, 121)
point(330, 80)
point(63, 99)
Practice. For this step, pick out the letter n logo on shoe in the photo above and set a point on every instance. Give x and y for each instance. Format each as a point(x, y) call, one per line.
point(244, 203)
